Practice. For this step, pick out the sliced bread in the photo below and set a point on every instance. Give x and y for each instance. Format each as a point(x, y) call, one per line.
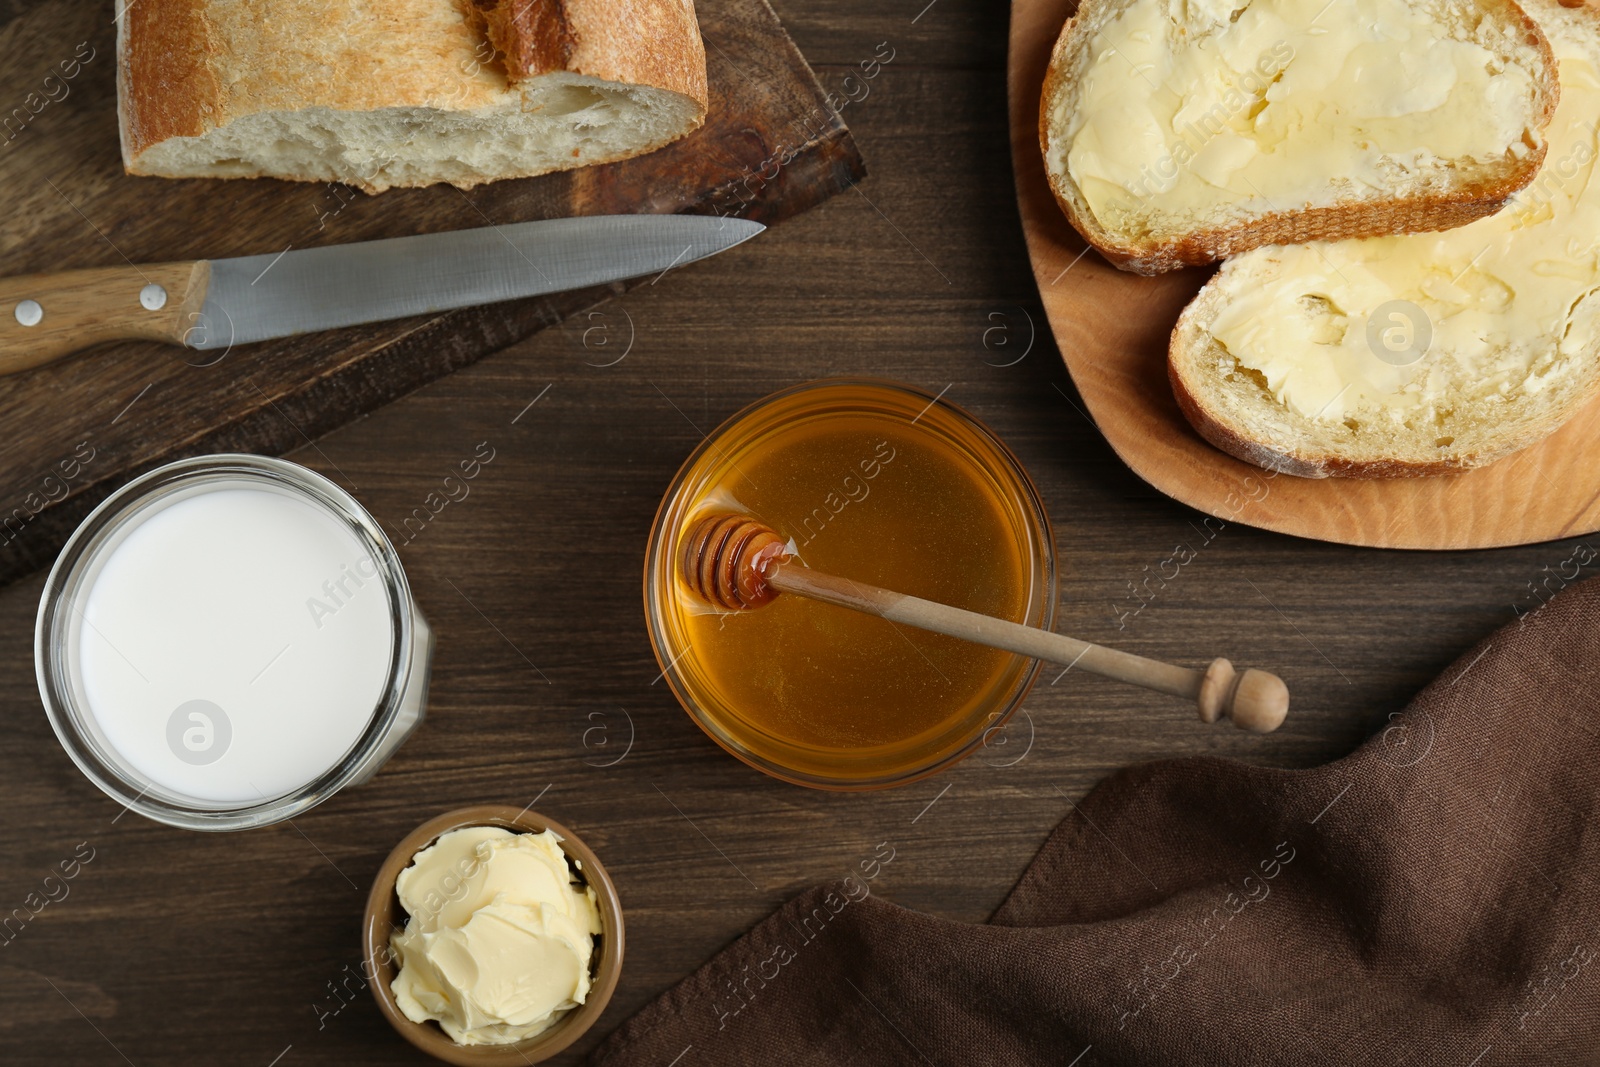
point(406, 92)
point(1417, 354)
point(1178, 132)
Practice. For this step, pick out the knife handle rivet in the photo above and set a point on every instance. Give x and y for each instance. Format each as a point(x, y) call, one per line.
point(152, 297)
point(29, 312)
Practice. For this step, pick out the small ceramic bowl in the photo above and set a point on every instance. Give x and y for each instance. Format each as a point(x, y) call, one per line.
point(385, 915)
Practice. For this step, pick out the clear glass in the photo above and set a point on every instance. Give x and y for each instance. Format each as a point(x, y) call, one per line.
point(772, 435)
point(396, 715)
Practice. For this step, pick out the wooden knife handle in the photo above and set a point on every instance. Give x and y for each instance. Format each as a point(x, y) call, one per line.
point(46, 316)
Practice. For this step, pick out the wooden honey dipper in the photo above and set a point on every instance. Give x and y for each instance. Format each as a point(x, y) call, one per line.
point(734, 563)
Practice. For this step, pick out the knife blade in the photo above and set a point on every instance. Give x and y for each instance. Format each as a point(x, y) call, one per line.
point(209, 304)
point(254, 298)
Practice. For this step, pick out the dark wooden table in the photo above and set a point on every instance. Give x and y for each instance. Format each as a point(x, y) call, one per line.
point(173, 947)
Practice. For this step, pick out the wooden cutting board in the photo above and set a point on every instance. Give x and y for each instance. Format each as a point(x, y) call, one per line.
point(772, 147)
point(1112, 328)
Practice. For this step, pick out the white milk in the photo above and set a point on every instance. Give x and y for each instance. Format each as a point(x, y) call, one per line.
point(235, 641)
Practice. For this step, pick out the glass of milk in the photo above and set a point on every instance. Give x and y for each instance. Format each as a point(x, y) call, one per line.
point(228, 641)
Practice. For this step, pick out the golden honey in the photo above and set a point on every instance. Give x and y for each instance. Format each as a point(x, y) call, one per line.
point(885, 485)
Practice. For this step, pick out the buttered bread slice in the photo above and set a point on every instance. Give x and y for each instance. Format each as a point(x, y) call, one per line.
point(1178, 132)
point(1417, 354)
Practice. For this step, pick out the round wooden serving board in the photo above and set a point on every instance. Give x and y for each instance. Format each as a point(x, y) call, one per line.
point(1112, 329)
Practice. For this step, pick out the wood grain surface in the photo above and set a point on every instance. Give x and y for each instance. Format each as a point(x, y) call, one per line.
point(770, 149)
point(175, 948)
point(1113, 327)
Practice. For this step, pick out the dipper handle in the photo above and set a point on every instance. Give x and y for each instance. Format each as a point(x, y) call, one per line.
point(1254, 700)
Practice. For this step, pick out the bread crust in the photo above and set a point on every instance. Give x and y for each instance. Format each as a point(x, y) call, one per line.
point(168, 82)
point(642, 42)
point(166, 86)
point(1352, 219)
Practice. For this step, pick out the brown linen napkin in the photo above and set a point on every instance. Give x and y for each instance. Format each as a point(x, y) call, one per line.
point(1433, 898)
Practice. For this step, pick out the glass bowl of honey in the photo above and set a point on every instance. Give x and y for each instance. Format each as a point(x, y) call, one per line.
point(885, 484)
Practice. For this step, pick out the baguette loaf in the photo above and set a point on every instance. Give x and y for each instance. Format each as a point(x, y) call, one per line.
point(404, 92)
point(1417, 354)
point(1178, 132)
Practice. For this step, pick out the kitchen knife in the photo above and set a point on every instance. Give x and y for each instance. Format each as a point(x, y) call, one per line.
point(214, 304)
